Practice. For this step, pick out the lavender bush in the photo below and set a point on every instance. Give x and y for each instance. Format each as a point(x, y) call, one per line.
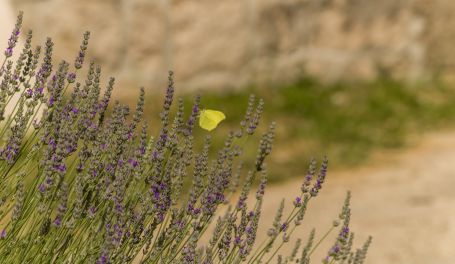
point(82, 185)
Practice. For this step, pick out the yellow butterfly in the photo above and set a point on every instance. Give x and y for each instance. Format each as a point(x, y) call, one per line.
point(209, 119)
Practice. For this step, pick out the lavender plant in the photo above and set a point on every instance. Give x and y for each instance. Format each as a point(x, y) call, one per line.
point(79, 184)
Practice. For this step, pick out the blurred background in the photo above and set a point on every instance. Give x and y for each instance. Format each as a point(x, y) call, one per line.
point(367, 83)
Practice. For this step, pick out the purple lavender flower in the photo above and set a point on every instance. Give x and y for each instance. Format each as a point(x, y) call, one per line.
point(40, 90)
point(320, 179)
point(103, 259)
point(71, 77)
point(28, 93)
point(193, 117)
point(57, 222)
point(92, 211)
point(133, 162)
point(51, 101)
point(81, 55)
point(237, 240)
point(122, 189)
point(9, 51)
point(60, 167)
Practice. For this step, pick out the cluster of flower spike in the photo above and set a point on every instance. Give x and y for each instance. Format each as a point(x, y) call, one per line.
point(81, 184)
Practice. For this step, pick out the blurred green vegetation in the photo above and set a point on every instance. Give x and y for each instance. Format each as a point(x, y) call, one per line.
point(347, 121)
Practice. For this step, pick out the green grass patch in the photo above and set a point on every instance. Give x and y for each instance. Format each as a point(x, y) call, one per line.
point(345, 121)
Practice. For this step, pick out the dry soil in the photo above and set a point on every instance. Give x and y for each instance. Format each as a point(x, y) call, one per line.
point(405, 201)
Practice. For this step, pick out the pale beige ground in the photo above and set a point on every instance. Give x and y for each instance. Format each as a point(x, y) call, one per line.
point(406, 201)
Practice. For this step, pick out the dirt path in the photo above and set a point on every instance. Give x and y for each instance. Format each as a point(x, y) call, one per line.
point(407, 205)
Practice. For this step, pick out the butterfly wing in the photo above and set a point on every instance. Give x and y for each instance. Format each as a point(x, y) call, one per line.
point(209, 119)
point(205, 122)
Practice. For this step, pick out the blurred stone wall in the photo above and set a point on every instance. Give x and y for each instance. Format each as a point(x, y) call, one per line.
point(231, 43)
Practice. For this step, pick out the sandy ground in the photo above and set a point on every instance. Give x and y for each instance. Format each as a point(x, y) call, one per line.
point(406, 204)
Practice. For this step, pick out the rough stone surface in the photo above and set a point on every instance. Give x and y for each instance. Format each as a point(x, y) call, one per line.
point(229, 44)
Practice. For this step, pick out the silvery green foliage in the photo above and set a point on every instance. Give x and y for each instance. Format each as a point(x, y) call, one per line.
point(81, 185)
